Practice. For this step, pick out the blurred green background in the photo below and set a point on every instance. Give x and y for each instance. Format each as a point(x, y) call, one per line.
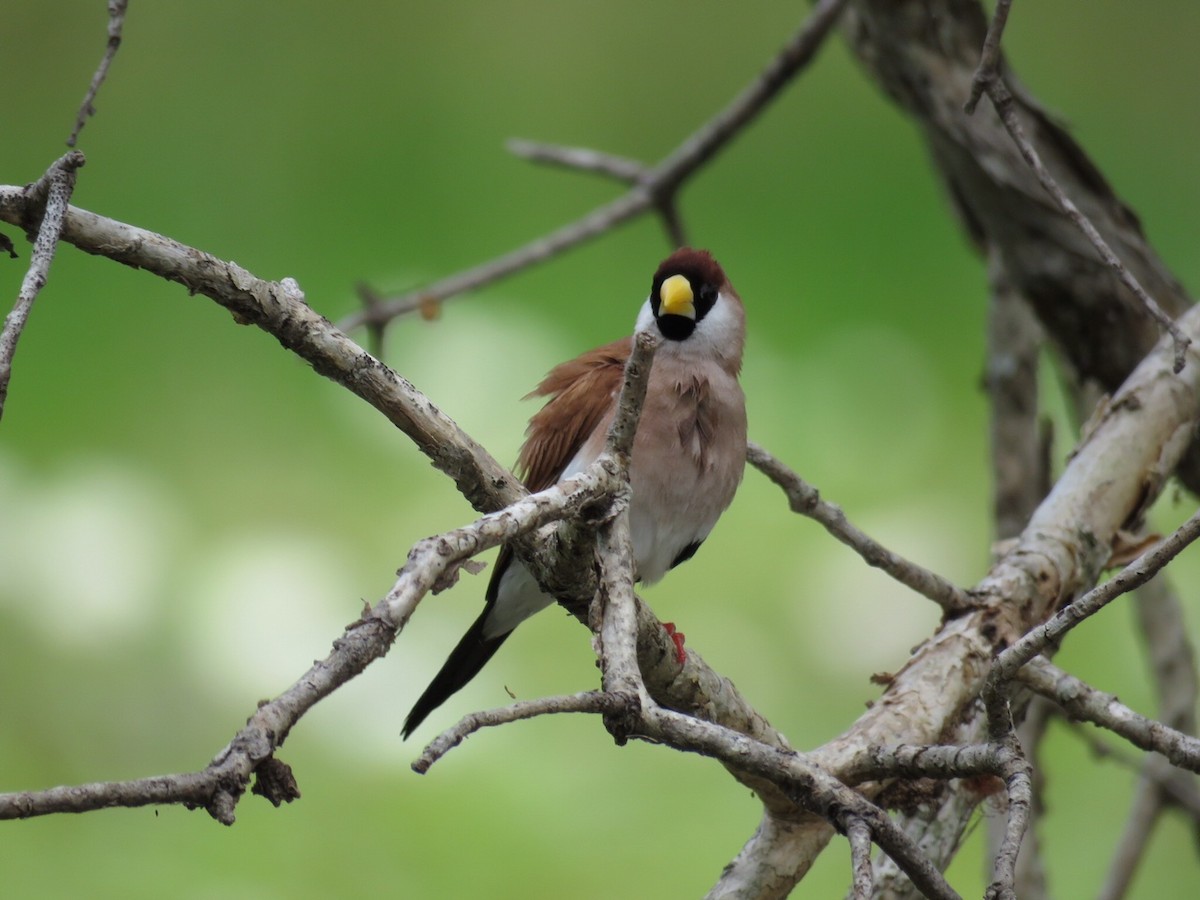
point(189, 514)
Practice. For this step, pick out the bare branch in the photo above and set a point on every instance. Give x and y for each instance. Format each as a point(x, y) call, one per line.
point(615, 616)
point(1002, 100)
point(595, 702)
point(431, 558)
point(812, 787)
point(941, 761)
point(279, 308)
point(937, 826)
point(49, 197)
point(662, 181)
point(116, 22)
point(621, 433)
point(988, 78)
point(582, 159)
point(194, 790)
point(806, 500)
point(1082, 701)
point(859, 835)
point(1099, 328)
point(1018, 781)
point(989, 61)
point(703, 144)
point(1138, 572)
point(1110, 478)
point(1030, 872)
point(219, 786)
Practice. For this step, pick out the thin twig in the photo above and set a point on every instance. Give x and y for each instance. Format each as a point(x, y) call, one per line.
point(999, 680)
point(430, 559)
point(615, 614)
point(812, 787)
point(1005, 107)
point(1018, 782)
point(617, 625)
point(1086, 703)
point(595, 702)
point(628, 171)
point(859, 835)
point(279, 308)
point(116, 22)
point(619, 441)
point(989, 59)
point(805, 499)
point(193, 790)
point(582, 159)
point(219, 786)
point(661, 181)
point(53, 190)
point(940, 761)
point(987, 78)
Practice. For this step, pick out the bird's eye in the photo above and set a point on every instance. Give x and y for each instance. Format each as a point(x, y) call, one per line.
point(705, 299)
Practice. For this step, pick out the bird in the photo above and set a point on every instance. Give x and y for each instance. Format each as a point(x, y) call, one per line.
point(688, 454)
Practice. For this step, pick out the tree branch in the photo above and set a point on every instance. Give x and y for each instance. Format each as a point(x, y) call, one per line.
point(1003, 102)
point(859, 835)
point(116, 22)
point(279, 308)
point(595, 702)
point(1083, 702)
point(47, 200)
point(581, 159)
point(1086, 310)
point(998, 688)
point(219, 787)
point(989, 60)
point(806, 500)
point(987, 78)
point(658, 185)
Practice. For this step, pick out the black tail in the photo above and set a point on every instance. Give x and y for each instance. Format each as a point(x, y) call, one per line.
point(471, 654)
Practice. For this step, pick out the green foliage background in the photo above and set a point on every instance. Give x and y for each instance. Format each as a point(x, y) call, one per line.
point(189, 515)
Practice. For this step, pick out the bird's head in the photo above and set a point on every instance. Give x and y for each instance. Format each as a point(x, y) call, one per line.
point(693, 305)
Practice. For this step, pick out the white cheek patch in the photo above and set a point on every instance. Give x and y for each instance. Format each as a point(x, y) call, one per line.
point(718, 330)
point(645, 319)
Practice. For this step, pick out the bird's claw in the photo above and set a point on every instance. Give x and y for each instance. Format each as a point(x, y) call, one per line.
point(677, 638)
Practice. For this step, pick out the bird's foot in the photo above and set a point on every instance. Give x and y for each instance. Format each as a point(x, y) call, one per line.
point(677, 638)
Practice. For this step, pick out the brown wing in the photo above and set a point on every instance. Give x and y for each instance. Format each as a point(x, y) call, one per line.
point(581, 393)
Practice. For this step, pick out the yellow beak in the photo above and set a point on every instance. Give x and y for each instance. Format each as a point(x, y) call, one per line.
point(676, 297)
